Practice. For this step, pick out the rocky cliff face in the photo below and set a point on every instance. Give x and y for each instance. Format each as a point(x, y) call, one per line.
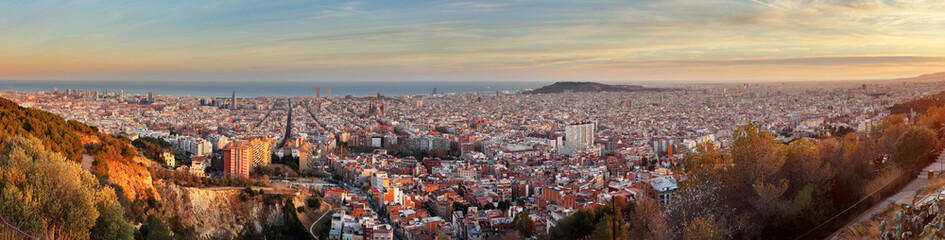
point(219, 212)
point(210, 212)
point(134, 178)
point(222, 212)
point(130, 173)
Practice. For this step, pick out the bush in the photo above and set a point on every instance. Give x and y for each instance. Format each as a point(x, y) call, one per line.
point(914, 147)
point(111, 223)
point(293, 228)
point(313, 202)
point(47, 195)
point(154, 229)
point(152, 147)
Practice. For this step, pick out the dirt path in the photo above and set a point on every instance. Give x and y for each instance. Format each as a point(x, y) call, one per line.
point(87, 162)
point(908, 191)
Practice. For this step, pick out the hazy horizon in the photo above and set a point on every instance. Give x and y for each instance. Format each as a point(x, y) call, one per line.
point(444, 119)
point(603, 41)
point(535, 81)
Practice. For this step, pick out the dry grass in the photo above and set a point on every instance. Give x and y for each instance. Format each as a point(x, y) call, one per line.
point(881, 180)
point(934, 187)
point(870, 228)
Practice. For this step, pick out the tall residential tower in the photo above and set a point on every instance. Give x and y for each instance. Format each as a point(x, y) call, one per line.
point(579, 136)
point(233, 102)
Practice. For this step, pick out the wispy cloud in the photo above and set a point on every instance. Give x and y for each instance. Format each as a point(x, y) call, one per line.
point(710, 39)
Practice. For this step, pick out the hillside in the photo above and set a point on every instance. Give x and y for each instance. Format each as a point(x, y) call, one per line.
point(924, 78)
point(919, 106)
point(115, 160)
point(562, 87)
point(119, 188)
point(213, 214)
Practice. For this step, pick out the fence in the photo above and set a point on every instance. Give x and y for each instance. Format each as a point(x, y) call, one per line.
point(9, 232)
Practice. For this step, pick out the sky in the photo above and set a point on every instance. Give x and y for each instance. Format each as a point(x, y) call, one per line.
point(512, 40)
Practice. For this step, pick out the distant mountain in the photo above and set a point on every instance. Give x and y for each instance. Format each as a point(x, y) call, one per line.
point(931, 77)
point(562, 87)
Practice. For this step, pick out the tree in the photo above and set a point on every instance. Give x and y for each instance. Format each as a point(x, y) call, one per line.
point(705, 162)
point(439, 152)
point(648, 220)
point(111, 223)
point(934, 119)
point(152, 147)
point(180, 231)
point(458, 206)
point(887, 133)
point(293, 226)
point(605, 228)
point(443, 236)
point(755, 154)
point(523, 224)
point(852, 154)
point(505, 205)
point(48, 196)
point(154, 229)
point(696, 199)
point(313, 202)
point(587, 223)
point(803, 166)
point(913, 147)
point(706, 227)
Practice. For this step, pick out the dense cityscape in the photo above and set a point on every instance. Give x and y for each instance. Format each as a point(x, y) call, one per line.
point(472, 120)
point(464, 165)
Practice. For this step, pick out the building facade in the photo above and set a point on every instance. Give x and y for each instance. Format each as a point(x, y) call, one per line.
point(237, 160)
point(579, 136)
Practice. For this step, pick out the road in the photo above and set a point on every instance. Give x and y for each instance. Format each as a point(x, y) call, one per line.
point(310, 112)
point(360, 192)
point(908, 191)
point(381, 214)
point(311, 228)
point(259, 124)
point(288, 127)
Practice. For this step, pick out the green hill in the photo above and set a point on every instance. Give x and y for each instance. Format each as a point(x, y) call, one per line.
point(44, 190)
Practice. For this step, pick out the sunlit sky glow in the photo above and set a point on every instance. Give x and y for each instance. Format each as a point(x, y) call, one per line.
point(625, 41)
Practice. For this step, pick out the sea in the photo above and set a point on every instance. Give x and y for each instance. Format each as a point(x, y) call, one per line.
point(271, 89)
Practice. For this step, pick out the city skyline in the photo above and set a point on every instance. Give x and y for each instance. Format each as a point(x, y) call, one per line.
point(608, 41)
point(505, 166)
point(472, 120)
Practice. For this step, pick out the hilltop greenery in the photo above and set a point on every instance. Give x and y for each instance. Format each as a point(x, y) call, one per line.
point(59, 135)
point(43, 188)
point(760, 187)
point(152, 147)
point(51, 197)
point(920, 105)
